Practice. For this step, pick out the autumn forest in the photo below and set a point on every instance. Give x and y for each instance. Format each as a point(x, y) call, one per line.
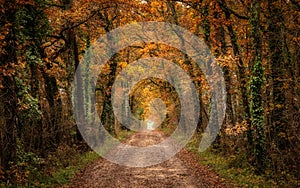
point(44, 43)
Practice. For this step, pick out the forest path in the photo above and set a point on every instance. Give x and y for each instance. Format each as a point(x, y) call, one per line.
point(182, 170)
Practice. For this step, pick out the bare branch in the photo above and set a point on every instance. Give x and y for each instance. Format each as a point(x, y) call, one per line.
point(226, 9)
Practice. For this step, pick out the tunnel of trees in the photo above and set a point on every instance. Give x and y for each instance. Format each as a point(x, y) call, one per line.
point(256, 43)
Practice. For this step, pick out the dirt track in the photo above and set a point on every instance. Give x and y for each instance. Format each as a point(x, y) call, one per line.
point(182, 170)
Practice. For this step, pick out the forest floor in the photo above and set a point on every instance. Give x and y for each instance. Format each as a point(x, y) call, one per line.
point(182, 170)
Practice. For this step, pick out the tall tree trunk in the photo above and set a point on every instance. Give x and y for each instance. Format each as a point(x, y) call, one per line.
point(80, 113)
point(279, 66)
point(256, 90)
point(9, 100)
point(242, 74)
point(107, 115)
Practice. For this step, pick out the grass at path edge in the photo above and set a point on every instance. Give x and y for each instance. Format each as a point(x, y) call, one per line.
point(63, 175)
point(238, 175)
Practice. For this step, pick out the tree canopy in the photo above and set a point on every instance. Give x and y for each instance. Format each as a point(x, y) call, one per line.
point(256, 43)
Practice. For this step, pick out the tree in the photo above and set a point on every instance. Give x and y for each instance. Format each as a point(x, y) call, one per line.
point(256, 90)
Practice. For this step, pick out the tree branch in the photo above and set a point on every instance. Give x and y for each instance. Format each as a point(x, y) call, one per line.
point(295, 4)
point(226, 9)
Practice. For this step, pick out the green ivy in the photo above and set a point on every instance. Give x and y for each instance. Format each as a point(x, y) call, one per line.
point(26, 169)
point(28, 105)
point(257, 114)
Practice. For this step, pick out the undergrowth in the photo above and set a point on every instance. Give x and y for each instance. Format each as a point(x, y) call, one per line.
point(233, 169)
point(57, 169)
point(64, 173)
